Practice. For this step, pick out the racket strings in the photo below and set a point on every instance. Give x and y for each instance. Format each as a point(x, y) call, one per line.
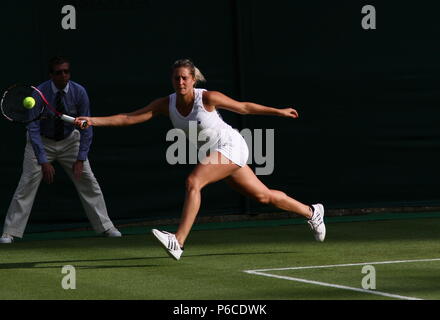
point(12, 104)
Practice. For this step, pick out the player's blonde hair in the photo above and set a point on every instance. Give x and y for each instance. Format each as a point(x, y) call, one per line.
point(194, 71)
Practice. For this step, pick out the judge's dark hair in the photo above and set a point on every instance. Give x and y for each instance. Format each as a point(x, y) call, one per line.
point(57, 60)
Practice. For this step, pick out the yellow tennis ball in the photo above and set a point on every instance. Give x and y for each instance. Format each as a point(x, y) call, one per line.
point(28, 102)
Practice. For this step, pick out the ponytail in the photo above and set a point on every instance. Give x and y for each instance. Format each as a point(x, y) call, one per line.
point(195, 72)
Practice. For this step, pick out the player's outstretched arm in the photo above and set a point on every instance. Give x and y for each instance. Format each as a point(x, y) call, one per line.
point(159, 106)
point(219, 100)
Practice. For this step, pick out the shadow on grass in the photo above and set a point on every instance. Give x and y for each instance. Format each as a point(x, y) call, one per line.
point(62, 263)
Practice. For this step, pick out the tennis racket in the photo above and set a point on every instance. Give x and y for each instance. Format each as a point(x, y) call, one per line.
point(14, 108)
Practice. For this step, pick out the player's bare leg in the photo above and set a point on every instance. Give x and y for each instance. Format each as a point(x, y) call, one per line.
point(246, 182)
point(214, 168)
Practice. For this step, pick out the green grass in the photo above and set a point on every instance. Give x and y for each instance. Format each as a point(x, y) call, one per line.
point(212, 267)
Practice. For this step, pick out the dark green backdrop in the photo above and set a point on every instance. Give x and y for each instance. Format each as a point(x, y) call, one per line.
point(368, 132)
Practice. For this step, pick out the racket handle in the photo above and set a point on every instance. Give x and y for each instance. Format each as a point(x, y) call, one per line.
point(83, 124)
point(72, 120)
point(68, 119)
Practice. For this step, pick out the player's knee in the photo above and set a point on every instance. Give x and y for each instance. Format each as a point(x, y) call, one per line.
point(263, 198)
point(192, 183)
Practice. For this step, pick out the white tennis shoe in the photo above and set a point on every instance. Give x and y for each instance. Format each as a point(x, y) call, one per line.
point(316, 222)
point(169, 242)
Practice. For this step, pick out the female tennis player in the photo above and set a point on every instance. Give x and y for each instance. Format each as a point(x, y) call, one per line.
point(228, 156)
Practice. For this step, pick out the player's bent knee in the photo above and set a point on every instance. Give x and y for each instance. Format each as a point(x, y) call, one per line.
point(263, 198)
point(192, 183)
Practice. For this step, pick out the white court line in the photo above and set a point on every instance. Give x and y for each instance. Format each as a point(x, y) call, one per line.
point(263, 272)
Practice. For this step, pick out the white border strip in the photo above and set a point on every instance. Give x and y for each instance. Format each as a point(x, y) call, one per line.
point(263, 272)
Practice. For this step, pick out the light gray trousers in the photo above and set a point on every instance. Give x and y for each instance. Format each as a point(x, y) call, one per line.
point(65, 152)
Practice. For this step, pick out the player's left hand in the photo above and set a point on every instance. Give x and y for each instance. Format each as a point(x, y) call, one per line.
point(78, 169)
point(290, 113)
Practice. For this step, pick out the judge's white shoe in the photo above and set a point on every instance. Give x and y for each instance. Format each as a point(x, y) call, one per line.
point(316, 222)
point(6, 238)
point(113, 233)
point(169, 242)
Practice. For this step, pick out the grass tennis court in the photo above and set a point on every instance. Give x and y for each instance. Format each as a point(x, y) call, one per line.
point(217, 257)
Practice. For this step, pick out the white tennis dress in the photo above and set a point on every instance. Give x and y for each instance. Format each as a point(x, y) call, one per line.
point(212, 132)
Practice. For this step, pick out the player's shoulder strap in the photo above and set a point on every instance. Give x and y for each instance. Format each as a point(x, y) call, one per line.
point(198, 96)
